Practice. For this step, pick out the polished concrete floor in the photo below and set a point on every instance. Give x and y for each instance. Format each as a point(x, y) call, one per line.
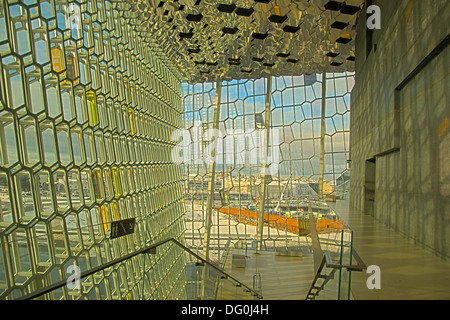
point(282, 277)
point(408, 271)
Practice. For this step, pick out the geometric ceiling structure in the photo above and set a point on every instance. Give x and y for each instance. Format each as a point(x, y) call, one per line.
point(209, 40)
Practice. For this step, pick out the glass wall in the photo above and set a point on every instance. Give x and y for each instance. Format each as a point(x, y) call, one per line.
point(87, 107)
point(293, 154)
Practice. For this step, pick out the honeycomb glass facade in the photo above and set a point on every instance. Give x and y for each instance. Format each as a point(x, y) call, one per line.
point(299, 125)
point(87, 107)
point(202, 150)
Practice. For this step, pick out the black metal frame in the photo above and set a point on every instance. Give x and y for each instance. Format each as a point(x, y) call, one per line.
point(149, 249)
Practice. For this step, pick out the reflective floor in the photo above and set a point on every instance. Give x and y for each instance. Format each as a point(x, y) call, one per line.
point(282, 277)
point(408, 271)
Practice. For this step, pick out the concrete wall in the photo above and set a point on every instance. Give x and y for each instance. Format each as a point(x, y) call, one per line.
point(401, 118)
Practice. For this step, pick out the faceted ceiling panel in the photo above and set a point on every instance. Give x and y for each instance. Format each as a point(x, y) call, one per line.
point(239, 39)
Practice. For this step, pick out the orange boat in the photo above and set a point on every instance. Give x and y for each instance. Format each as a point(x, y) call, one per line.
point(297, 225)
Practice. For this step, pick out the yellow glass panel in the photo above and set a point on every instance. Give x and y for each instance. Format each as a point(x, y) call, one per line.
point(105, 219)
point(57, 62)
point(132, 121)
point(444, 127)
point(409, 10)
point(92, 108)
point(116, 182)
point(277, 10)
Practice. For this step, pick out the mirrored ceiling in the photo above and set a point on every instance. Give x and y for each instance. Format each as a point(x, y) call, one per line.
point(241, 39)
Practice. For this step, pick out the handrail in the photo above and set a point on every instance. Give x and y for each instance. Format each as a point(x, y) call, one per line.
point(149, 249)
point(323, 259)
point(222, 262)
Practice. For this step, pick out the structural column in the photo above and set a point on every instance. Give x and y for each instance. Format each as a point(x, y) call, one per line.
point(212, 172)
point(322, 133)
point(264, 165)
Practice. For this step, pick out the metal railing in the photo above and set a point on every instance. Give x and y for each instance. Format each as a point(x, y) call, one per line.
point(222, 262)
point(151, 249)
point(326, 267)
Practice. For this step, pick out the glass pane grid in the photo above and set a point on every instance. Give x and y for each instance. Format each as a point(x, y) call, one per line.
point(294, 148)
point(87, 108)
